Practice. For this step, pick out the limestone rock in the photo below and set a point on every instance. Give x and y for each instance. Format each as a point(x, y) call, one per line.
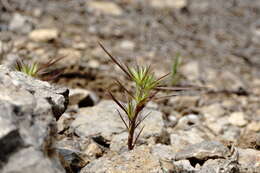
point(203, 151)
point(138, 160)
point(20, 24)
point(82, 98)
point(44, 35)
point(249, 159)
point(237, 119)
point(181, 139)
point(28, 108)
point(177, 4)
point(105, 7)
point(103, 120)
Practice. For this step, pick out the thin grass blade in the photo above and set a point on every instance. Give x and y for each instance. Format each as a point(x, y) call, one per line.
point(138, 135)
point(116, 61)
point(117, 102)
point(123, 119)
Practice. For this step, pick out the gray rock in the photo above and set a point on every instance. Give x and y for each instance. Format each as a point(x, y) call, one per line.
point(119, 142)
point(183, 166)
point(217, 165)
point(103, 120)
point(203, 151)
point(249, 159)
point(164, 152)
point(181, 103)
point(187, 121)
point(28, 108)
point(30, 160)
point(82, 98)
point(138, 160)
point(75, 153)
point(73, 160)
point(44, 35)
point(238, 119)
point(181, 139)
point(176, 4)
point(103, 7)
point(20, 24)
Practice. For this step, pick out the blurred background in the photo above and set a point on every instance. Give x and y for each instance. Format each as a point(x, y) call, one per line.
point(218, 40)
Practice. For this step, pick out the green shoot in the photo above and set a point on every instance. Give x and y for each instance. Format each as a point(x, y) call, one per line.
point(175, 67)
point(145, 89)
point(29, 69)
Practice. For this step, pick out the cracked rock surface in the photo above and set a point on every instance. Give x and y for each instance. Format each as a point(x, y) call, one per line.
point(28, 108)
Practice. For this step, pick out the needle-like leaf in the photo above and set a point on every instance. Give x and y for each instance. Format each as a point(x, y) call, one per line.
point(122, 119)
point(140, 121)
point(116, 61)
point(117, 102)
point(138, 135)
point(128, 92)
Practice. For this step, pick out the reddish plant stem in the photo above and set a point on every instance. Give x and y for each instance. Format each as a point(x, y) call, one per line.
point(132, 127)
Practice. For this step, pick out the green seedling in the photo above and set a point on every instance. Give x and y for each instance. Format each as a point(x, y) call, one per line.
point(29, 69)
point(175, 77)
point(38, 71)
point(145, 89)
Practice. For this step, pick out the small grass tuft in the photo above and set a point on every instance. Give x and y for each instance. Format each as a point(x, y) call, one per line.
point(39, 71)
point(175, 77)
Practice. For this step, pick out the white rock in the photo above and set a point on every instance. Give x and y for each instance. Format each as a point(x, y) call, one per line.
point(72, 56)
point(82, 97)
point(17, 22)
point(103, 119)
point(127, 45)
point(254, 126)
point(177, 4)
point(181, 139)
point(237, 119)
point(191, 70)
point(44, 35)
point(249, 158)
point(213, 112)
point(93, 150)
point(139, 160)
point(93, 63)
point(105, 7)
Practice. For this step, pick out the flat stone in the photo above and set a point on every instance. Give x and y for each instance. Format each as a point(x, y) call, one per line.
point(119, 142)
point(44, 35)
point(238, 119)
point(93, 150)
point(103, 119)
point(183, 102)
point(214, 165)
point(20, 24)
point(30, 160)
point(181, 139)
point(127, 45)
point(138, 160)
point(212, 112)
point(203, 151)
point(177, 4)
point(82, 98)
point(105, 7)
point(164, 152)
point(72, 56)
point(191, 70)
point(254, 126)
point(249, 158)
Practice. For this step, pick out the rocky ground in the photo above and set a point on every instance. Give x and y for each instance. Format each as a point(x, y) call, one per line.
point(215, 129)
